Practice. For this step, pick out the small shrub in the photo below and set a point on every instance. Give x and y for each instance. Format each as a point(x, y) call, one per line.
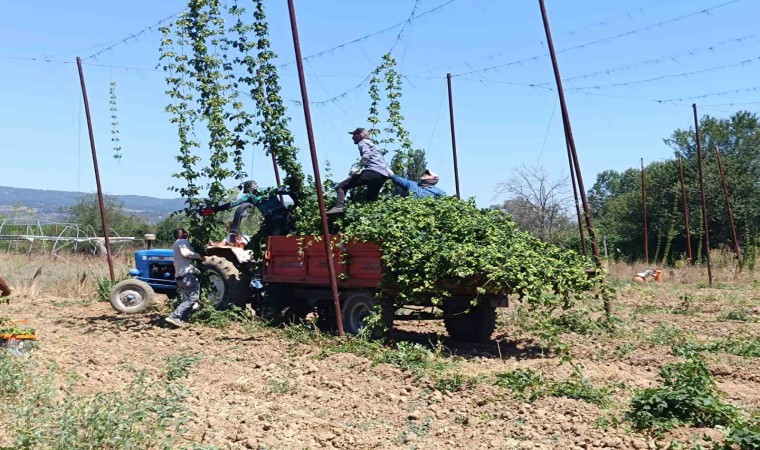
point(739, 315)
point(208, 316)
point(409, 357)
point(746, 346)
point(689, 396)
point(579, 388)
point(745, 436)
point(453, 383)
point(526, 384)
point(104, 285)
point(669, 335)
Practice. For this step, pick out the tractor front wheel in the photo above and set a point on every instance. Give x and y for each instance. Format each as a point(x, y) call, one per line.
point(131, 296)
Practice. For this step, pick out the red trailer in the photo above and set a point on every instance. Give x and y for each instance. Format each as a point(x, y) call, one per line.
point(296, 276)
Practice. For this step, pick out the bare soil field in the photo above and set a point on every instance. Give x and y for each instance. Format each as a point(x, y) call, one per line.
point(250, 386)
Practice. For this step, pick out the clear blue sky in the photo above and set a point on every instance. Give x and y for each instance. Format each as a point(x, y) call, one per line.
point(43, 135)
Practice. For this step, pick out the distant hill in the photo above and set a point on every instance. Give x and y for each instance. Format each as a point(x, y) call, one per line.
point(45, 204)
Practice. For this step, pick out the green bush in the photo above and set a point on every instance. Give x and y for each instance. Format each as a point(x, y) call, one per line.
point(689, 396)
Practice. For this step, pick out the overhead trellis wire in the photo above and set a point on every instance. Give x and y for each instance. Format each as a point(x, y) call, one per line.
point(668, 76)
point(403, 23)
point(661, 59)
point(601, 40)
point(135, 35)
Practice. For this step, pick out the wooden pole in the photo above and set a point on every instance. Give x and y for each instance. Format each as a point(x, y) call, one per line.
point(101, 202)
point(705, 226)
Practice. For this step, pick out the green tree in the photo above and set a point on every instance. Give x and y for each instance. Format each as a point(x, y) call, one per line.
point(86, 213)
point(616, 204)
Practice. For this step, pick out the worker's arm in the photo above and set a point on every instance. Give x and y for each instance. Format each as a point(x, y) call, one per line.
point(186, 251)
point(403, 182)
point(285, 190)
point(244, 198)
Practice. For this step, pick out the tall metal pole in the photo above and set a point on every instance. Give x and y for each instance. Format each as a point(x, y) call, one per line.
point(702, 194)
point(315, 166)
point(453, 135)
point(644, 204)
point(276, 174)
point(571, 143)
point(685, 210)
point(728, 206)
point(575, 198)
point(101, 203)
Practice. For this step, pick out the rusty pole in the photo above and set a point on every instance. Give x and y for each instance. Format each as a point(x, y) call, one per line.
point(685, 210)
point(101, 203)
point(453, 135)
point(315, 166)
point(644, 204)
point(571, 143)
point(575, 198)
point(728, 206)
point(277, 175)
point(702, 194)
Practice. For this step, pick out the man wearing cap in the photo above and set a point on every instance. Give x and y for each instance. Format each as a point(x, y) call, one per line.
point(423, 188)
point(372, 171)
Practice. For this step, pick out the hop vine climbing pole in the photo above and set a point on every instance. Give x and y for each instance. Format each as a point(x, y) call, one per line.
point(407, 161)
point(114, 121)
point(213, 74)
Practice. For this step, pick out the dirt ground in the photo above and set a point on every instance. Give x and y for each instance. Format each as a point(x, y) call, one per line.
point(255, 387)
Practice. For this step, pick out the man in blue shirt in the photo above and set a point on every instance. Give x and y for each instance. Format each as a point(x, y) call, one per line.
point(372, 172)
point(423, 188)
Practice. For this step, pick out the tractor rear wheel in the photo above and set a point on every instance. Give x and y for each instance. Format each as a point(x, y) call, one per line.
point(229, 286)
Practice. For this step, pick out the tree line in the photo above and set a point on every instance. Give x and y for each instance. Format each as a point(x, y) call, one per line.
point(544, 206)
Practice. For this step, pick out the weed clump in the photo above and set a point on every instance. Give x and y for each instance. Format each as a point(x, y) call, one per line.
point(689, 396)
point(146, 413)
point(529, 386)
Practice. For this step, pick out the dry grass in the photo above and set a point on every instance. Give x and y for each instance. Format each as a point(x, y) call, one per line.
point(724, 270)
point(70, 276)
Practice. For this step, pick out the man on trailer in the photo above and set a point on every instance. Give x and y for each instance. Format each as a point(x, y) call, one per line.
point(420, 189)
point(372, 171)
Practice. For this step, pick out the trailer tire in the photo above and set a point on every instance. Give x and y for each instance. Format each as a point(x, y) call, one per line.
point(131, 296)
point(355, 308)
point(232, 288)
point(465, 322)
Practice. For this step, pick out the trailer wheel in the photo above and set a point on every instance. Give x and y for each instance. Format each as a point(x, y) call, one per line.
point(131, 296)
point(465, 322)
point(230, 286)
point(356, 306)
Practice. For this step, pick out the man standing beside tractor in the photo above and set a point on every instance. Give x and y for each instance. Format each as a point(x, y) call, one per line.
point(186, 275)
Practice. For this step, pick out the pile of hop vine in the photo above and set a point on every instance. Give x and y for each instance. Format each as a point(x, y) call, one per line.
point(430, 244)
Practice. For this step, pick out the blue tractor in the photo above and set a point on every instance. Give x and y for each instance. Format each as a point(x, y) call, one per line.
point(227, 268)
